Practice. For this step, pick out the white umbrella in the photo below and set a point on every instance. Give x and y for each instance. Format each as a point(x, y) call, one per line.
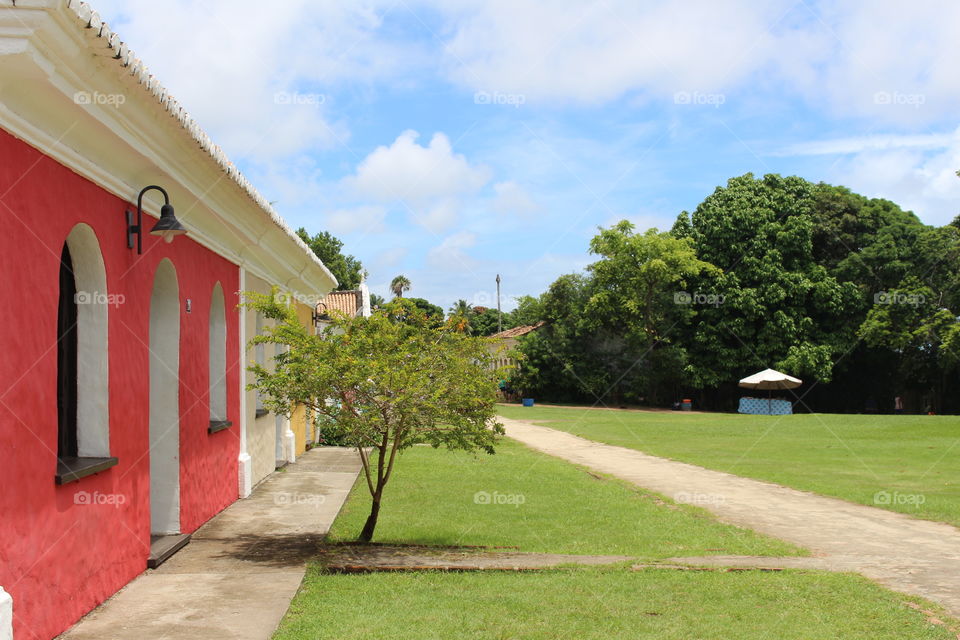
point(770, 379)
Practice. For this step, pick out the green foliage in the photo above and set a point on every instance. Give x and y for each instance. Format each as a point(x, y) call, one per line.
point(766, 272)
point(428, 309)
point(388, 382)
point(484, 321)
point(780, 307)
point(346, 269)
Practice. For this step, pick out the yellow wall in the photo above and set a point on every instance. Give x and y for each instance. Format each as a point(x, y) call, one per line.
point(298, 419)
point(261, 431)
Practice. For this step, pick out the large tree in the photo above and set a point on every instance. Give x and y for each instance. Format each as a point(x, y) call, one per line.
point(640, 285)
point(780, 308)
point(345, 268)
point(387, 382)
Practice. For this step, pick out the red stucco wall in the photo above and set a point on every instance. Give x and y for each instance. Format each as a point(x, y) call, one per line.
point(59, 559)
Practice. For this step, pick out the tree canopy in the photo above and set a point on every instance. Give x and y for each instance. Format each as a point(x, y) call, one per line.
point(387, 382)
point(345, 268)
point(808, 278)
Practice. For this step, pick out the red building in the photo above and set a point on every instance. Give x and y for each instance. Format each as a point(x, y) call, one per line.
point(122, 372)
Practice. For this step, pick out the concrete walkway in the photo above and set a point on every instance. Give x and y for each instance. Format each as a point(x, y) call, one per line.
point(903, 553)
point(235, 579)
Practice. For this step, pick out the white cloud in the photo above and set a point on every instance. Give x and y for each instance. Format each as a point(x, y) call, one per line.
point(871, 143)
point(885, 60)
point(594, 52)
point(259, 79)
point(926, 184)
point(389, 257)
point(512, 198)
point(451, 254)
point(889, 61)
point(918, 172)
point(428, 181)
point(366, 218)
point(407, 170)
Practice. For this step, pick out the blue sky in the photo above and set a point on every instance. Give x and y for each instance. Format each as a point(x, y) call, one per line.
point(451, 141)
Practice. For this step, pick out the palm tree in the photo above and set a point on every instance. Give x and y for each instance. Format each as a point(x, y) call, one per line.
point(461, 308)
point(398, 285)
point(462, 312)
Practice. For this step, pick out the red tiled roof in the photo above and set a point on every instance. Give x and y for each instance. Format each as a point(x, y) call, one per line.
point(345, 302)
point(516, 332)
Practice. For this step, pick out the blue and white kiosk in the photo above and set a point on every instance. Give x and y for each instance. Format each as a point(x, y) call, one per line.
point(768, 380)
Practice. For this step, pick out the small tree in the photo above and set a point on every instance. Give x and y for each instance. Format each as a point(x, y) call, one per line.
point(389, 381)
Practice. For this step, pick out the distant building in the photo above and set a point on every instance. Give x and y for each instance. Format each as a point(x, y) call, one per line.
point(352, 303)
point(507, 340)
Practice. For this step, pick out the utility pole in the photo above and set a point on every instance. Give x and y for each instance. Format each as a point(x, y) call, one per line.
point(499, 314)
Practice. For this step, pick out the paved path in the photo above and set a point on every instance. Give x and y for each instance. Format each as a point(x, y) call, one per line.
point(235, 579)
point(903, 553)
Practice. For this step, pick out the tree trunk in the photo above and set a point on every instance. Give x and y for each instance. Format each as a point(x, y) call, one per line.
point(367, 534)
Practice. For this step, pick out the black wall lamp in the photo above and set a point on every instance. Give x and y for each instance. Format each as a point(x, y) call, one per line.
point(167, 226)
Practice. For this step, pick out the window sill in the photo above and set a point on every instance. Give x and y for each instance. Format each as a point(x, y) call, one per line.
point(218, 425)
point(72, 469)
point(262, 412)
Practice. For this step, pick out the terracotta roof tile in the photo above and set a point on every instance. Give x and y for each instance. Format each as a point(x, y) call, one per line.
point(345, 302)
point(516, 332)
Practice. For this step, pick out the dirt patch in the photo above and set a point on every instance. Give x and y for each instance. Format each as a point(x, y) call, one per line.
point(362, 558)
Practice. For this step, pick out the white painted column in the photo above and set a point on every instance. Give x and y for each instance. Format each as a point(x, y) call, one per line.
point(244, 462)
point(6, 615)
point(289, 442)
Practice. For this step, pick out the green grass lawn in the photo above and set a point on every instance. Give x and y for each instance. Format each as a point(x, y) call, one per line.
point(909, 464)
point(547, 505)
point(551, 506)
point(602, 604)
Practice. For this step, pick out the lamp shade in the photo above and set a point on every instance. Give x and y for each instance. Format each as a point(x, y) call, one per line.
point(168, 227)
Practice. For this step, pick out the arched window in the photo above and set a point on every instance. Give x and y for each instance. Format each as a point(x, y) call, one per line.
point(83, 417)
point(218, 362)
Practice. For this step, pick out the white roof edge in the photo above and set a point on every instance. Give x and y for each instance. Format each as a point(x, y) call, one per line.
point(125, 57)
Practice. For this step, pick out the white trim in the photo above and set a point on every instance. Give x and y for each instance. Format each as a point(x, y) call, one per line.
point(6, 615)
point(165, 400)
point(245, 467)
point(290, 443)
point(244, 462)
point(217, 349)
point(93, 369)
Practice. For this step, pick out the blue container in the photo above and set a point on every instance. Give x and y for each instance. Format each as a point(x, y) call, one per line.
point(528, 402)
